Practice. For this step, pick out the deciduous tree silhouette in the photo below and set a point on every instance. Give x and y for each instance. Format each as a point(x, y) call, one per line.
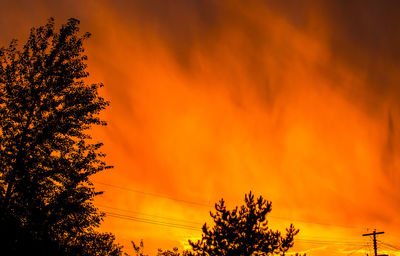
point(139, 251)
point(243, 231)
point(46, 154)
point(174, 252)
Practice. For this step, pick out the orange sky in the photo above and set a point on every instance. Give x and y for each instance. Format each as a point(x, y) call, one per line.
point(294, 100)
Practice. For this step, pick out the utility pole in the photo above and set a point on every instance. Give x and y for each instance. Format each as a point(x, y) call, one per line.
point(375, 245)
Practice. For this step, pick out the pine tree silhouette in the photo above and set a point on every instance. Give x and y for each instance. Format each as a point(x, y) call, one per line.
point(243, 231)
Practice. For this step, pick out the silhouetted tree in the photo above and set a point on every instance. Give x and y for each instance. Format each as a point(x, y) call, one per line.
point(138, 249)
point(243, 232)
point(46, 154)
point(174, 252)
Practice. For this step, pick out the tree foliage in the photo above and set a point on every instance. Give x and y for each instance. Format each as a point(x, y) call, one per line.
point(174, 252)
point(46, 154)
point(243, 231)
point(139, 251)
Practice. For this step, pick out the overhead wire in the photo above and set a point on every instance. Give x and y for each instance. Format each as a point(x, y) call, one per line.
point(169, 224)
point(154, 194)
point(329, 242)
point(390, 245)
point(149, 221)
point(386, 248)
point(208, 205)
point(193, 228)
point(355, 251)
point(370, 245)
point(149, 215)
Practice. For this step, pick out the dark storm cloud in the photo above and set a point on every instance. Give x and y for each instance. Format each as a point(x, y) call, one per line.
point(189, 26)
point(17, 17)
point(180, 23)
point(363, 34)
point(372, 27)
point(366, 35)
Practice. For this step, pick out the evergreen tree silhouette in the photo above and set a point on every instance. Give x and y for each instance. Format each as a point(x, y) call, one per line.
point(243, 231)
point(46, 154)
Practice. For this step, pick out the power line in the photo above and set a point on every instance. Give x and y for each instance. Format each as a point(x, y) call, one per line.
point(334, 238)
point(388, 248)
point(208, 206)
point(154, 194)
point(315, 223)
point(354, 251)
point(389, 245)
point(369, 246)
point(188, 227)
point(193, 228)
point(149, 221)
point(329, 242)
point(162, 217)
point(150, 215)
point(303, 239)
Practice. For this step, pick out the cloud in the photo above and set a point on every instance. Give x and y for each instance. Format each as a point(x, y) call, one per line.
point(209, 99)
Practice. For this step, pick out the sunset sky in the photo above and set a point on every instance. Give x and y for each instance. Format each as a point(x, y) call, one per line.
point(297, 101)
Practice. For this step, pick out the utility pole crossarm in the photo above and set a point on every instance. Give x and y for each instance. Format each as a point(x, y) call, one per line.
point(375, 244)
point(371, 234)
